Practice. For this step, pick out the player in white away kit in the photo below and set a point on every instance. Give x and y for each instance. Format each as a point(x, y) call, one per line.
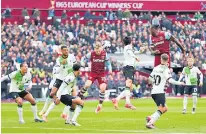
point(18, 92)
point(49, 99)
point(128, 70)
point(67, 95)
point(64, 65)
point(159, 76)
point(190, 73)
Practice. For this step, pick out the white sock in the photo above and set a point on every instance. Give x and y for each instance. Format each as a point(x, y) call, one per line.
point(194, 98)
point(51, 106)
point(155, 116)
point(66, 110)
point(127, 94)
point(77, 112)
point(46, 104)
point(20, 113)
point(121, 95)
point(70, 114)
point(34, 110)
point(185, 102)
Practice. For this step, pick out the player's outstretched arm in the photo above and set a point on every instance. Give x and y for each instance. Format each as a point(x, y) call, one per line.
point(174, 82)
point(9, 76)
point(178, 43)
point(4, 78)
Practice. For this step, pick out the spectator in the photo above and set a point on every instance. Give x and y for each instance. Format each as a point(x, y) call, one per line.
point(24, 12)
point(7, 13)
point(36, 13)
point(87, 15)
point(119, 14)
point(51, 12)
point(64, 14)
point(127, 14)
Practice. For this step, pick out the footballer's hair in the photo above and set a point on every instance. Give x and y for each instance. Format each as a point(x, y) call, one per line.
point(190, 57)
point(127, 40)
point(76, 67)
point(164, 57)
point(62, 47)
point(22, 64)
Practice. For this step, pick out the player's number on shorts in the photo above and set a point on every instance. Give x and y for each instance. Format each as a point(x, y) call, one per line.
point(195, 90)
point(157, 79)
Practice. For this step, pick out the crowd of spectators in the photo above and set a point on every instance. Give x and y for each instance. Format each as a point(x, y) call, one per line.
point(38, 44)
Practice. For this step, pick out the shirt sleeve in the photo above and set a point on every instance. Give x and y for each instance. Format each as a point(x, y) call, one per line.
point(168, 35)
point(12, 75)
point(150, 40)
point(74, 59)
point(130, 52)
point(69, 79)
point(167, 74)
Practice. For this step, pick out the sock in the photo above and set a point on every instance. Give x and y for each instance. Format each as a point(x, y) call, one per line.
point(82, 91)
point(155, 116)
point(34, 110)
point(77, 112)
point(127, 94)
point(185, 102)
point(20, 112)
point(66, 109)
point(101, 97)
point(121, 95)
point(71, 111)
point(194, 98)
point(46, 104)
point(51, 106)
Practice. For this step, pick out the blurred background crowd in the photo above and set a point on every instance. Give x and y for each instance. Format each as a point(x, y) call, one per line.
point(37, 42)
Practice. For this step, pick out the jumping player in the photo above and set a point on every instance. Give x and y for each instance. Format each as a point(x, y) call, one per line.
point(190, 73)
point(159, 76)
point(98, 59)
point(129, 70)
point(159, 43)
point(18, 92)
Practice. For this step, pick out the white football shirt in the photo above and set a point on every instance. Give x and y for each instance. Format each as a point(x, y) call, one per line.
point(67, 85)
point(63, 70)
point(129, 56)
point(160, 75)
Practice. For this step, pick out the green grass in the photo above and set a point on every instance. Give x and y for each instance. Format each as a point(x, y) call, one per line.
point(110, 120)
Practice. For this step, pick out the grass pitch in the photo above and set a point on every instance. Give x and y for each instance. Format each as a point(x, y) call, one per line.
point(109, 120)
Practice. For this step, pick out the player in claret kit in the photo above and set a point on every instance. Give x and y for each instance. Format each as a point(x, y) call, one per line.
point(190, 74)
point(18, 92)
point(159, 76)
point(160, 43)
point(99, 59)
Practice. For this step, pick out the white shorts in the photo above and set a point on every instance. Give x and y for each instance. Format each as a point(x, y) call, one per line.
point(52, 83)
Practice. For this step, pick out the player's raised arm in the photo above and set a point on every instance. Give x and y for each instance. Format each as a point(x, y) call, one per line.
point(84, 58)
point(172, 38)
